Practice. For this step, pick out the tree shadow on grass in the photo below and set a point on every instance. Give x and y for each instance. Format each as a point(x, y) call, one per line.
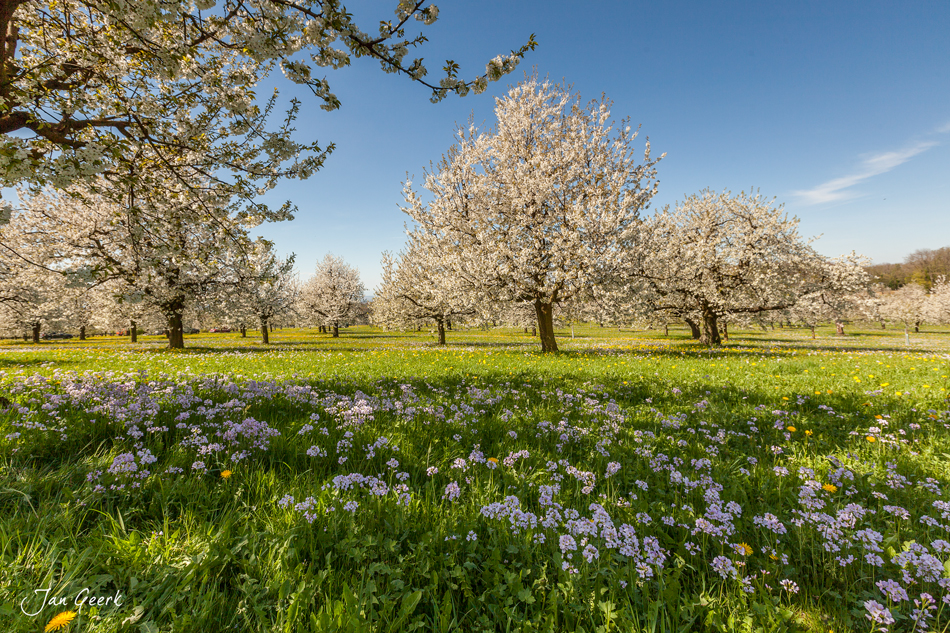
point(10, 363)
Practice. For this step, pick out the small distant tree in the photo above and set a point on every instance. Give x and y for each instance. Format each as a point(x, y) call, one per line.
point(266, 286)
point(906, 305)
point(334, 294)
point(834, 293)
point(718, 254)
point(939, 303)
point(415, 287)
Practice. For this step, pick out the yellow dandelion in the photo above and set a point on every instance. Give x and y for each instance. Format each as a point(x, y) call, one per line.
point(879, 417)
point(225, 474)
point(808, 433)
point(744, 549)
point(830, 488)
point(871, 438)
point(493, 460)
point(59, 621)
point(790, 428)
point(773, 556)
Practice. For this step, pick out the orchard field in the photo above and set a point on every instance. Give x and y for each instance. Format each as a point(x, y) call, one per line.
point(377, 482)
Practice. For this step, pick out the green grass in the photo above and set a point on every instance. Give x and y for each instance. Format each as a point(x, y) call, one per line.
point(194, 551)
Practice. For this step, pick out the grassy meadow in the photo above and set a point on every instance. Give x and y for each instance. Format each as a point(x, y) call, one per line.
point(635, 481)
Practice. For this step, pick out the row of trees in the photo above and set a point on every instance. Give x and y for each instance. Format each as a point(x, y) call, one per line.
point(110, 267)
point(401, 303)
point(543, 211)
point(260, 288)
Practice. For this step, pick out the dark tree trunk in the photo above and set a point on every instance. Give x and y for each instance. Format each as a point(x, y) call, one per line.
point(441, 325)
point(545, 314)
point(271, 328)
point(243, 331)
point(534, 330)
point(666, 329)
point(82, 333)
point(839, 328)
point(176, 337)
point(694, 330)
point(772, 323)
point(264, 331)
point(448, 325)
point(133, 332)
point(710, 335)
point(36, 332)
point(26, 336)
point(725, 331)
point(336, 331)
point(813, 332)
point(917, 327)
point(526, 330)
point(883, 325)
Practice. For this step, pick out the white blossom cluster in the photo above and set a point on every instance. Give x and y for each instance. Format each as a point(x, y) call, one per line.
point(85, 82)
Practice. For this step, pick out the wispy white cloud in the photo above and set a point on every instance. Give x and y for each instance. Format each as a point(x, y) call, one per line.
point(841, 188)
point(944, 128)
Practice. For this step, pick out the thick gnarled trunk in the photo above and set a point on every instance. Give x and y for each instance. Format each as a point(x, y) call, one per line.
point(545, 314)
point(175, 332)
point(133, 333)
point(441, 326)
point(265, 336)
point(694, 330)
point(36, 332)
point(710, 336)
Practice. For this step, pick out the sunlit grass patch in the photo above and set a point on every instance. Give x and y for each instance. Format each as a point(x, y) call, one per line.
point(632, 482)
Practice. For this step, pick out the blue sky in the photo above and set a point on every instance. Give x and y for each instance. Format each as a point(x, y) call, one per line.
point(841, 110)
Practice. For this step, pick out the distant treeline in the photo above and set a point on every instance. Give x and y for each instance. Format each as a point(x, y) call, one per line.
point(924, 266)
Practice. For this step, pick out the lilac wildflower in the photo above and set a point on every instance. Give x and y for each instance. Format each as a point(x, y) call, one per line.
point(893, 590)
point(452, 491)
point(877, 614)
point(789, 585)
